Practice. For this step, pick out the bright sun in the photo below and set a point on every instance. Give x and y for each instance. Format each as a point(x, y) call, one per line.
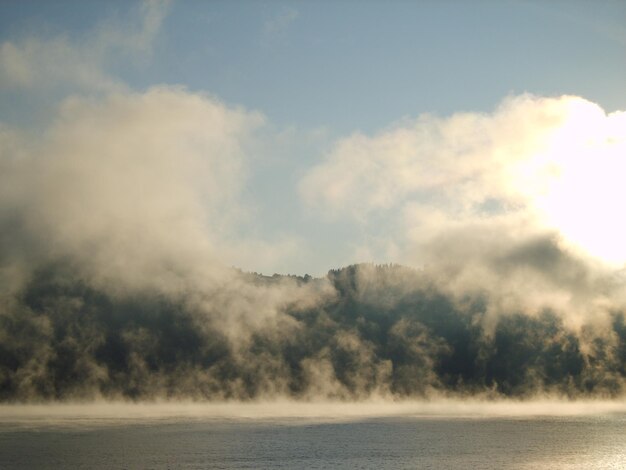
point(586, 195)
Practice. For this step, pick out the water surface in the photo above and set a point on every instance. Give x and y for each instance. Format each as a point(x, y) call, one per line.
point(250, 439)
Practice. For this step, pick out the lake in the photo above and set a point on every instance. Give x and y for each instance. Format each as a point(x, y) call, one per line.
point(446, 436)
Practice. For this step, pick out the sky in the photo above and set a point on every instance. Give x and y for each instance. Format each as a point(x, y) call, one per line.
point(296, 137)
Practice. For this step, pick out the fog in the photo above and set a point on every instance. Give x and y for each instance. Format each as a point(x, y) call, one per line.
point(81, 415)
point(363, 332)
point(121, 223)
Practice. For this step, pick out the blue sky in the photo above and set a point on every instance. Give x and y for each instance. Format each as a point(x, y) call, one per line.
point(360, 65)
point(319, 73)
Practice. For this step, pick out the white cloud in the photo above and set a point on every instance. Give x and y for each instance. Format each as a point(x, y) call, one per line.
point(530, 159)
point(133, 186)
point(519, 203)
point(431, 157)
point(36, 62)
point(143, 192)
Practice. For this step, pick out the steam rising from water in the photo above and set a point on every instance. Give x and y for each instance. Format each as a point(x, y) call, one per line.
point(118, 223)
point(117, 413)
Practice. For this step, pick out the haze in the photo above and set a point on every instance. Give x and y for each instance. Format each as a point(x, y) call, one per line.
point(437, 186)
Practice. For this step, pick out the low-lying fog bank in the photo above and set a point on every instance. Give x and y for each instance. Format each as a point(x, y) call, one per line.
point(116, 413)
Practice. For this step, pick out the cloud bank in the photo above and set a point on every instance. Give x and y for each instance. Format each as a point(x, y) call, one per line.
point(521, 202)
point(130, 187)
point(533, 165)
point(119, 223)
point(130, 203)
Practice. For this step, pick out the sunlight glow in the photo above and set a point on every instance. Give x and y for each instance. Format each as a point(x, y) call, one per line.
point(584, 199)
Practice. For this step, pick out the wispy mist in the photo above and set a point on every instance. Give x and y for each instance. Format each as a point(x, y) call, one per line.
point(126, 215)
point(364, 332)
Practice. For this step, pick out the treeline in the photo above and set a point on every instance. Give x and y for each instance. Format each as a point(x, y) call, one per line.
point(385, 331)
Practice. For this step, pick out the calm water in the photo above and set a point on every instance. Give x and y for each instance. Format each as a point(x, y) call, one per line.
point(565, 442)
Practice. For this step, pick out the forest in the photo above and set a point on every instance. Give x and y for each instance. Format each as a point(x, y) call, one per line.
point(363, 331)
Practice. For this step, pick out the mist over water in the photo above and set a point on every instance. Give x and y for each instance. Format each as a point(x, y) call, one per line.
point(465, 302)
point(95, 415)
point(450, 435)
